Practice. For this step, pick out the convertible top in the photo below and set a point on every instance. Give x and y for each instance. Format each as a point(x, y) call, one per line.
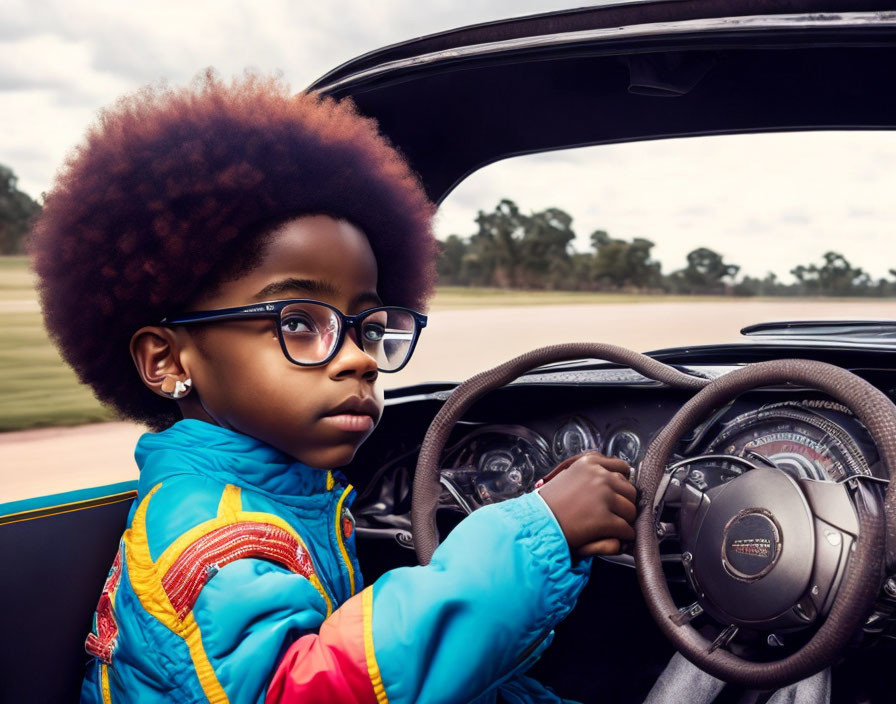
point(456, 101)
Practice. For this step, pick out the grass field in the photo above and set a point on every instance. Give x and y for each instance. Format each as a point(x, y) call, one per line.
point(36, 387)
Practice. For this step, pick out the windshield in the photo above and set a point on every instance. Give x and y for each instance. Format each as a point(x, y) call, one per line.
point(782, 215)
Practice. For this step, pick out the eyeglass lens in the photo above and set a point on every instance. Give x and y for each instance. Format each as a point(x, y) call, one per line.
point(311, 332)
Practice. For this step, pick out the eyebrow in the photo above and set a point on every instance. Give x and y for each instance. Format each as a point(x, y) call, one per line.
point(313, 288)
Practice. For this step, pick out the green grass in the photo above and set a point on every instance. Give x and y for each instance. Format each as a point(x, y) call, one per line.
point(16, 281)
point(17, 262)
point(36, 387)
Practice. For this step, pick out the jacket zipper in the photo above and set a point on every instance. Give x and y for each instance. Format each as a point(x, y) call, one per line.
point(340, 538)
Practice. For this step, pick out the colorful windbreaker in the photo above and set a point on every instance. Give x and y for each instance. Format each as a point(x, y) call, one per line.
point(237, 581)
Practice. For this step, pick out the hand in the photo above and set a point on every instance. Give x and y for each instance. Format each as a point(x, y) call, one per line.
point(594, 503)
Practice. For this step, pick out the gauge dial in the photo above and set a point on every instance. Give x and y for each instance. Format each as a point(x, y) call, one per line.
point(804, 444)
point(495, 463)
point(503, 474)
point(626, 445)
point(574, 436)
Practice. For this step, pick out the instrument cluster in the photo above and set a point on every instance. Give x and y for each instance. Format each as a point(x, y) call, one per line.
point(498, 462)
point(808, 439)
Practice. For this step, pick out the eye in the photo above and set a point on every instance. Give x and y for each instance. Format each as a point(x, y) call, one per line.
point(297, 324)
point(374, 332)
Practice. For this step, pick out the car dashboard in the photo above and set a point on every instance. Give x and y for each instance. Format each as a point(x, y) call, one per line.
point(514, 436)
point(805, 436)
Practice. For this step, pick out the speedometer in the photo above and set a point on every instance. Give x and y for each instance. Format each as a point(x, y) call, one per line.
point(801, 442)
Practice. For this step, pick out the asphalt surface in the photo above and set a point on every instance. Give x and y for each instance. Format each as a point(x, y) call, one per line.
point(455, 345)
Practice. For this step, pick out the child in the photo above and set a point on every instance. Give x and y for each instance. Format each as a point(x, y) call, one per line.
point(233, 266)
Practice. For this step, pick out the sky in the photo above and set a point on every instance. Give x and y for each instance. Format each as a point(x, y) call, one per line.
point(766, 202)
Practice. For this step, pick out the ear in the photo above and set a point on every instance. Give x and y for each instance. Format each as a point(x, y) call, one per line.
point(156, 354)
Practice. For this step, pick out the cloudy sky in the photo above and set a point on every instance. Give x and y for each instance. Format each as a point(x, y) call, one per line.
point(766, 202)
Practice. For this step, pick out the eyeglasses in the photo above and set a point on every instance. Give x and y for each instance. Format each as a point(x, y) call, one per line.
point(311, 332)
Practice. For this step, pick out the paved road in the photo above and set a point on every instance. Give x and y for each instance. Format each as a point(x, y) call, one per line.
point(456, 344)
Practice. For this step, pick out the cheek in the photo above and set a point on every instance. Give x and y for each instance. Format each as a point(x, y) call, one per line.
point(379, 395)
point(268, 402)
point(233, 368)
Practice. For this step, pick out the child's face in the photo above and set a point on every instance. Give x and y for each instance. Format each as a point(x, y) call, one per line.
point(240, 375)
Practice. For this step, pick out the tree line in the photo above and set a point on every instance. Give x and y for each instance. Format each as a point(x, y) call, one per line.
point(17, 210)
point(511, 249)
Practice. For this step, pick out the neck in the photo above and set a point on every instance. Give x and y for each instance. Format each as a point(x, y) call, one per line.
point(192, 408)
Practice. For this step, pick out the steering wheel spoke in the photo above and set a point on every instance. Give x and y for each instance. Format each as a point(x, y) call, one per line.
point(686, 614)
point(723, 640)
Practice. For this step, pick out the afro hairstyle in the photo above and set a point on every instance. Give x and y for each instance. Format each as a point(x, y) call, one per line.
point(171, 190)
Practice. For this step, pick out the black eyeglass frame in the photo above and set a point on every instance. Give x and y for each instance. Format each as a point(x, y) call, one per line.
point(273, 309)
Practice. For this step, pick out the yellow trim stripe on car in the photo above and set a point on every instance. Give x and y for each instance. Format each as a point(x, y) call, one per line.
point(47, 511)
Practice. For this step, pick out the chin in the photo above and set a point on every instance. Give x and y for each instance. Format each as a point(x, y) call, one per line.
point(327, 458)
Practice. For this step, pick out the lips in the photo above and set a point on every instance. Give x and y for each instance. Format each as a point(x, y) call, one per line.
point(354, 414)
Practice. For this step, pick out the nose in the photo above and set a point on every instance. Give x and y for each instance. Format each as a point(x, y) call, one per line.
point(351, 360)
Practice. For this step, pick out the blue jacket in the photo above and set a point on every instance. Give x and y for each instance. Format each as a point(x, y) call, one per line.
point(237, 581)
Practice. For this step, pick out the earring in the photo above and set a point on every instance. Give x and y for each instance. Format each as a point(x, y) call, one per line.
point(175, 388)
point(182, 388)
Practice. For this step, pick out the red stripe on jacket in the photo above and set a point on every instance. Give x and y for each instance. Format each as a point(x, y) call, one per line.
point(199, 562)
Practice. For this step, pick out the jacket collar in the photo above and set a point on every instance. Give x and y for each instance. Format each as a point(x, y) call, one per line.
point(194, 446)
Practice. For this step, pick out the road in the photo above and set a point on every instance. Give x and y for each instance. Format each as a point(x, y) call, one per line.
point(455, 345)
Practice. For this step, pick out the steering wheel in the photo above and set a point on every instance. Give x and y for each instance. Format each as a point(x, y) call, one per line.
point(766, 547)
point(764, 534)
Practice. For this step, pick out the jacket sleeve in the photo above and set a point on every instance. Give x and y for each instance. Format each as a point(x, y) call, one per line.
point(450, 631)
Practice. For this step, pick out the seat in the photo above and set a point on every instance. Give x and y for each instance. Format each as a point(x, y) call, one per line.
point(55, 552)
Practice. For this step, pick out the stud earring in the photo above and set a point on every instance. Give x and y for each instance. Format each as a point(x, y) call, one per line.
point(182, 388)
point(175, 388)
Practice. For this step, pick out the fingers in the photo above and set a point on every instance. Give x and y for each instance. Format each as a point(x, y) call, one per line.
point(563, 465)
point(623, 486)
point(591, 458)
point(624, 508)
point(613, 464)
point(614, 529)
point(619, 468)
point(607, 546)
point(621, 529)
point(569, 460)
point(593, 501)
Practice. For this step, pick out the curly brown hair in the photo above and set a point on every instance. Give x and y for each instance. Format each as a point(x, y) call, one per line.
point(170, 193)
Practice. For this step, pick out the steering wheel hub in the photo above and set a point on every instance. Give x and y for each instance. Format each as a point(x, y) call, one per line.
point(753, 550)
point(751, 544)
